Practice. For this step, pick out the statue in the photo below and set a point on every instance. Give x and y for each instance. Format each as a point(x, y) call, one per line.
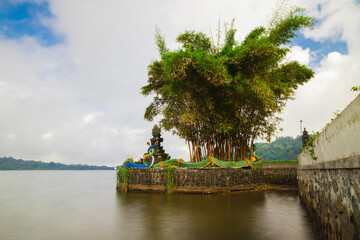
point(305, 138)
point(159, 153)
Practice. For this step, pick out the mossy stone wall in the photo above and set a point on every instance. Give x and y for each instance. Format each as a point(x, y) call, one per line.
point(206, 180)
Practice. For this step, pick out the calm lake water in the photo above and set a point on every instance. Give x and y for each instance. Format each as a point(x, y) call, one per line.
point(84, 205)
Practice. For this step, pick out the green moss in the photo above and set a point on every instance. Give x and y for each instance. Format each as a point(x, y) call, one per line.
point(170, 182)
point(122, 177)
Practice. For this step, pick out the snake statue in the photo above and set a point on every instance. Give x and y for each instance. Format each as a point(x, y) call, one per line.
point(206, 162)
point(148, 155)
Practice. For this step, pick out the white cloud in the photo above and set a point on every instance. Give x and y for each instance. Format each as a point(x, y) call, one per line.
point(337, 20)
point(84, 94)
point(297, 53)
point(46, 135)
point(91, 117)
point(329, 90)
point(11, 136)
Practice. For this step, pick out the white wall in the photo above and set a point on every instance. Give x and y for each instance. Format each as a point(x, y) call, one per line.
point(340, 139)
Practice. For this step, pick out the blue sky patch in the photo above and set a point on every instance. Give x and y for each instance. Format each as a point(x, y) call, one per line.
point(319, 8)
point(23, 18)
point(322, 49)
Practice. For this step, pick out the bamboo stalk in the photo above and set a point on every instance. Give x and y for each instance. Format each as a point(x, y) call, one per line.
point(197, 149)
point(189, 151)
point(220, 151)
point(228, 150)
point(242, 149)
point(251, 149)
point(208, 148)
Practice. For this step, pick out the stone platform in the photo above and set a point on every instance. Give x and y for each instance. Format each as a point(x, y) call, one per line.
point(206, 180)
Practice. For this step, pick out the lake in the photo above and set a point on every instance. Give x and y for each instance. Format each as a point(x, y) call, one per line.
point(85, 205)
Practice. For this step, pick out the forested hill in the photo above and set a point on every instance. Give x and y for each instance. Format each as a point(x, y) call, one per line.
point(283, 148)
point(9, 163)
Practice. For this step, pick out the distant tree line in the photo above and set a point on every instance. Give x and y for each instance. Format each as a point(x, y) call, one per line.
point(283, 148)
point(9, 163)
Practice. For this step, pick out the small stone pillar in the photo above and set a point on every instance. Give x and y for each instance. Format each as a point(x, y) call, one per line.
point(159, 154)
point(305, 138)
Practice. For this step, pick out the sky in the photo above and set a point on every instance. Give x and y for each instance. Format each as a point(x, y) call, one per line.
point(71, 70)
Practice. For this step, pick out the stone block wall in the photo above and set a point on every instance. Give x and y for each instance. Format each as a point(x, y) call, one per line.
point(329, 185)
point(277, 165)
point(207, 180)
point(281, 176)
point(331, 199)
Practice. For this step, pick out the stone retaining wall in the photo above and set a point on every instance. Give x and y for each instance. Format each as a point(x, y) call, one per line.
point(278, 165)
point(331, 199)
point(206, 180)
point(281, 176)
point(329, 177)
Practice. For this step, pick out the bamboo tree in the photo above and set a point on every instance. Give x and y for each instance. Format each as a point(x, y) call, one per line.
point(221, 98)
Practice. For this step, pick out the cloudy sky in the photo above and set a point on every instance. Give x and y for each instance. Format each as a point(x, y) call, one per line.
point(71, 70)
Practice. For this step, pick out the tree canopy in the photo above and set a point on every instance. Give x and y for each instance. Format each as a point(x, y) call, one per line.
point(219, 98)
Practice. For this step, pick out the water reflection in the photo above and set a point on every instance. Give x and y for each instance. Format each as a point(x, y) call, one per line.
point(77, 205)
point(258, 215)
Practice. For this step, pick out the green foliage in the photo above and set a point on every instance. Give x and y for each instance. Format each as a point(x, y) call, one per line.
point(160, 42)
point(285, 28)
point(194, 41)
point(282, 149)
point(310, 145)
point(123, 176)
point(9, 163)
point(355, 89)
point(217, 96)
point(334, 115)
point(170, 182)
